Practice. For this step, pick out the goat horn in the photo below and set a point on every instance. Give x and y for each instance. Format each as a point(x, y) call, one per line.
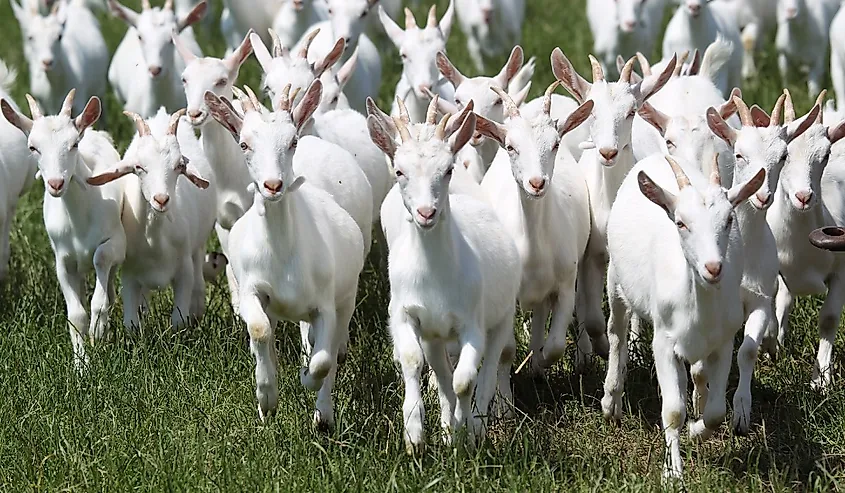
point(246, 104)
point(644, 65)
point(34, 109)
point(174, 121)
point(409, 19)
point(293, 95)
point(510, 107)
point(403, 111)
point(775, 121)
point(715, 176)
point(253, 99)
point(140, 124)
point(547, 97)
point(744, 112)
point(788, 108)
point(681, 60)
point(598, 73)
point(431, 114)
point(820, 102)
point(303, 53)
point(67, 105)
point(627, 70)
point(680, 176)
point(440, 131)
point(432, 16)
point(404, 134)
point(284, 99)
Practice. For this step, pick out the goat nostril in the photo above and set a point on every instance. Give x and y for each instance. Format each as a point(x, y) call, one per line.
point(161, 199)
point(714, 268)
point(56, 183)
point(195, 114)
point(608, 153)
point(155, 71)
point(537, 184)
point(273, 185)
point(426, 212)
point(804, 197)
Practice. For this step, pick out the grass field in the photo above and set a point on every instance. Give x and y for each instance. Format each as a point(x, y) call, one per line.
point(175, 410)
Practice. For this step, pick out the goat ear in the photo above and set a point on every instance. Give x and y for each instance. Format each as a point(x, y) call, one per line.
point(197, 13)
point(576, 118)
point(121, 169)
point(447, 20)
point(90, 114)
point(654, 117)
point(490, 129)
point(456, 121)
point(331, 58)
point(224, 114)
point(834, 134)
point(759, 117)
point(795, 129)
point(720, 128)
point(297, 182)
point(394, 32)
point(234, 61)
point(740, 193)
point(655, 193)
point(653, 83)
point(510, 69)
point(464, 133)
point(522, 95)
point(265, 59)
point(120, 11)
point(308, 104)
point(563, 70)
point(192, 175)
point(347, 69)
point(20, 121)
point(448, 70)
point(380, 136)
point(20, 13)
point(187, 55)
point(728, 108)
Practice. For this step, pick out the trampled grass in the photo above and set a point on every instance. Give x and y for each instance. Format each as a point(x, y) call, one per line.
point(175, 410)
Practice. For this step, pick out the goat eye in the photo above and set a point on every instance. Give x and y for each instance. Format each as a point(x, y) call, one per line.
point(59, 38)
point(403, 56)
point(632, 113)
point(510, 148)
point(184, 81)
point(244, 146)
point(221, 83)
point(33, 149)
point(363, 14)
point(75, 145)
point(729, 222)
point(498, 102)
point(399, 174)
point(681, 225)
point(331, 11)
point(294, 143)
point(669, 143)
point(449, 171)
point(334, 100)
point(738, 157)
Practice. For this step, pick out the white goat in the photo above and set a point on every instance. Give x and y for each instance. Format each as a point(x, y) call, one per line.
point(761, 142)
point(294, 18)
point(541, 198)
point(616, 104)
point(238, 17)
point(802, 38)
point(83, 223)
point(623, 28)
point(346, 21)
point(418, 48)
point(297, 255)
point(682, 273)
point(145, 71)
point(695, 25)
point(490, 26)
point(454, 274)
point(800, 206)
point(64, 50)
point(17, 168)
point(837, 57)
point(755, 18)
point(224, 156)
point(167, 221)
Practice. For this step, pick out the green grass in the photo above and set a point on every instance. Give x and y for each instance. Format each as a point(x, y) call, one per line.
point(175, 410)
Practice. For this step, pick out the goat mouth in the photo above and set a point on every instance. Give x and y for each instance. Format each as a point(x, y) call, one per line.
point(425, 224)
point(712, 279)
point(56, 192)
point(198, 121)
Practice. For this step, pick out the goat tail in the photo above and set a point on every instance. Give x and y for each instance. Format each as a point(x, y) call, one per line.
point(716, 56)
point(8, 76)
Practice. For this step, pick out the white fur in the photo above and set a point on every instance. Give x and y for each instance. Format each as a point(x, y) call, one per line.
point(837, 56)
point(290, 23)
point(491, 27)
point(802, 39)
point(624, 27)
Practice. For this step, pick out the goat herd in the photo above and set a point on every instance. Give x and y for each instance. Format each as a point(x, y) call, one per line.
point(694, 207)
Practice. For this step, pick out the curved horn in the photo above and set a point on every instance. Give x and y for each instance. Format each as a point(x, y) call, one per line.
point(293, 95)
point(680, 176)
point(67, 105)
point(284, 99)
point(431, 114)
point(440, 131)
point(306, 45)
point(279, 49)
point(402, 128)
point(34, 109)
point(140, 124)
point(174, 121)
point(432, 16)
point(598, 73)
point(547, 97)
point(627, 70)
point(829, 238)
point(246, 104)
point(820, 103)
point(645, 66)
point(510, 107)
point(403, 111)
point(788, 108)
point(409, 19)
point(715, 176)
point(253, 99)
point(775, 120)
point(744, 112)
point(681, 60)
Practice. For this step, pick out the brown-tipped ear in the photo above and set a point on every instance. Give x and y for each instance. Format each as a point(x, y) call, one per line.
point(654, 117)
point(23, 123)
point(238, 57)
point(650, 85)
point(456, 122)
point(331, 58)
point(308, 104)
point(834, 134)
point(126, 14)
point(511, 67)
point(695, 66)
point(576, 118)
point(448, 70)
point(191, 174)
point(740, 193)
point(90, 114)
point(121, 169)
point(380, 136)
point(656, 193)
point(806, 123)
point(224, 114)
point(720, 128)
point(464, 133)
point(728, 108)
point(759, 117)
point(563, 70)
point(490, 129)
point(197, 13)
